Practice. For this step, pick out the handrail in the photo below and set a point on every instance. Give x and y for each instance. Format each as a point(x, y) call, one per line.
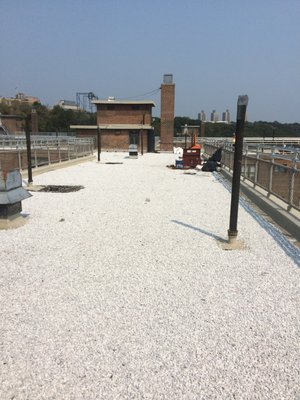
point(46, 149)
point(266, 171)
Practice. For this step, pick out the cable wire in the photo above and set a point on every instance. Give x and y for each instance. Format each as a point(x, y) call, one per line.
point(142, 95)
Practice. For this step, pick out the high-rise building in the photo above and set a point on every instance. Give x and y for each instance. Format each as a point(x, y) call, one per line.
point(202, 116)
point(214, 116)
point(226, 116)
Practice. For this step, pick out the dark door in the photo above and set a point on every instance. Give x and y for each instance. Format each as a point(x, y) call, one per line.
point(134, 138)
point(151, 142)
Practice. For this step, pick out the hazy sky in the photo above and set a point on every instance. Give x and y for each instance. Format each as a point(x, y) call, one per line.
point(215, 49)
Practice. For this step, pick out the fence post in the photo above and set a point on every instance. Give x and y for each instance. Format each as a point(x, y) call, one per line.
point(245, 163)
point(19, 159)
point(49, 161)
point(35, 159)
point(256, 166)
point(271, 175)
point(292, 183)
point(28, 145)
point(59, 154)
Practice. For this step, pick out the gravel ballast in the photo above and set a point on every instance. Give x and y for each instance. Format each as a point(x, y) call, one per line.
point(122, 291)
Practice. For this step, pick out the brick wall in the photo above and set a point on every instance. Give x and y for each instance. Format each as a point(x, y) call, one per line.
point(114, 139)
point(87, 133)
point(18, 159)
point(14, 125)
point(167, 117)
point(34, 122)
point(124, 114)
point(10, 160)
point(120, 141)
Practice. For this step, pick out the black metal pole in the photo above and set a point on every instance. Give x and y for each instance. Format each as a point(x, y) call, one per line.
point(28, 146)
point(237, 166)
point(142, 137)
point(99, 142)
point(142, 143)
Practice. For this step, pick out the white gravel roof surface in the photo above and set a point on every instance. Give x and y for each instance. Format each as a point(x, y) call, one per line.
point(121, 291)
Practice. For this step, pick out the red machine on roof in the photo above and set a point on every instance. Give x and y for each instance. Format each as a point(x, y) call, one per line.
point(192, 156)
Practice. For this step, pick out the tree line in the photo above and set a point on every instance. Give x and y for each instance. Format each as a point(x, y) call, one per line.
point(59, 119)
point(50, 120)
point(252, 129)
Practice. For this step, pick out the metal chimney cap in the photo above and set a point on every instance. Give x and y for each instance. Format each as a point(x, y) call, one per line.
point(242, 100)
point(168, 78)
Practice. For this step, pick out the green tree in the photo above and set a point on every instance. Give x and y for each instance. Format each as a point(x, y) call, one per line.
point(156, 125)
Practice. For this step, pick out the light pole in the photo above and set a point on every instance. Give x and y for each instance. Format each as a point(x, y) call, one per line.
point(237, 167)
point(185, 132)
point(98, 142)
point(28, 146)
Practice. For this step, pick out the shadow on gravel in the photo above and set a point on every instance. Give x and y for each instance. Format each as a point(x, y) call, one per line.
point(292, 251)
point(200, 230)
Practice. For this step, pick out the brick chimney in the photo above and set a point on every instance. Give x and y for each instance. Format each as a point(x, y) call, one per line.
point(34, 122)
point(167, 113)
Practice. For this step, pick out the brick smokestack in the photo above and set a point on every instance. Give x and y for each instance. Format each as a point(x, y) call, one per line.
point(167, 113)
point(34, 122)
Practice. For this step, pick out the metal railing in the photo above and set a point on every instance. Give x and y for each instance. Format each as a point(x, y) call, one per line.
point(275, 169)
point(46, 150)
point(282, 141)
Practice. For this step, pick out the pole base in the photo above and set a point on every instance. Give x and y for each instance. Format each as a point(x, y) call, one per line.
point(33, 188)
point(233, 243)
point(13, 222)
point(236, 245)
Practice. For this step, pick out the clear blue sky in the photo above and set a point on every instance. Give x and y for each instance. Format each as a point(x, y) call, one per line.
point(216, 50)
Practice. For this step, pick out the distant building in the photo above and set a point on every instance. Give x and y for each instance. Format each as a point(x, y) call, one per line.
point(68, 105)
point(21, 97)
point(202, 116)
point(214, 116)
point(27, 99)
point(226, 116)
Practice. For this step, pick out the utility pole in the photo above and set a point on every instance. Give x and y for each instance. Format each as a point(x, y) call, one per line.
point(237, 167)
point(28, 146)
point(185, 132)
point(142, 136)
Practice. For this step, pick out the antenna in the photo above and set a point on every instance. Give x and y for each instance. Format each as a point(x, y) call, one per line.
point(83, 100)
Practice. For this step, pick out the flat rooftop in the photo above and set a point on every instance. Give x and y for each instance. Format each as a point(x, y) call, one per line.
point(122, 290)
point(133, 102)
point(113, 126)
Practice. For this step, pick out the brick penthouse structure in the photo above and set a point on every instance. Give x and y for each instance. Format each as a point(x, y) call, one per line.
point(122, 122)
